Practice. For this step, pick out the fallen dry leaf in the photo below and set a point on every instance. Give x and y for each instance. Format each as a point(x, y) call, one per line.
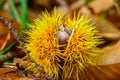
point(85, 11)
point(45, 3)
point(6, 36)
point(115, 19)
point(110, 36)
point(110, 55)
point(11, 74)
point(99, 6)
point(104, 26)
point(63, 6)
point(8, 32)
point(101, 72)
point(76, 5)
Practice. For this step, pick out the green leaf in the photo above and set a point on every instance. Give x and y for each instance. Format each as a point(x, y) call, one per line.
point(103, 15)
point(88, 1)
point(6, 49)
point(1, 3)
point(14, 10)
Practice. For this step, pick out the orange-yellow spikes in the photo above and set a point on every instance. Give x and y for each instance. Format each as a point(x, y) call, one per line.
point(63, 59)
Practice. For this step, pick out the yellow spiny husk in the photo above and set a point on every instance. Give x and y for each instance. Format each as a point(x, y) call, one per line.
point(81, 47)
point(43, 43)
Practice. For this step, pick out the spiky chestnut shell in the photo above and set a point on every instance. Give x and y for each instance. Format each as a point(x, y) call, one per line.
point(44, 47)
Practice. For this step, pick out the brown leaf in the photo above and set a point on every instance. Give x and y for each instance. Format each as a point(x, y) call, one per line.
point(115, 19)
point(85, 11)
point(110, 36)
point(5, 36)
point(8, 32)
point(104, 26)
point(45, 3)
point(76, 5)
point(111, 55)
point(11, 74)
point(101, 5)
point(101, 72)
